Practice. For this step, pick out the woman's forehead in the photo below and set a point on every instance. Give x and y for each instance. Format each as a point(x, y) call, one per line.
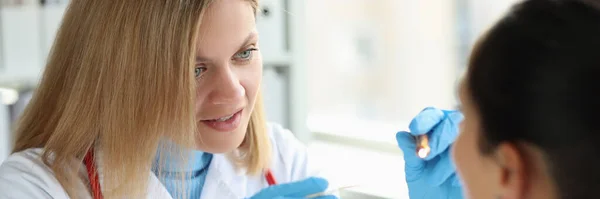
point(225, 26)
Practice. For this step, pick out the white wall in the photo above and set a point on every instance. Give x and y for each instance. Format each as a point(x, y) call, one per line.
point(484, 14)
point(4, 132)
point(429, 61)
point(27, 34)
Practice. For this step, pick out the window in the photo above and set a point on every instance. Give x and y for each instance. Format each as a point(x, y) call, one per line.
point(371, 67)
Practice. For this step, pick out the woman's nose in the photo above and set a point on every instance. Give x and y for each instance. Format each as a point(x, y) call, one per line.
point(228, 89)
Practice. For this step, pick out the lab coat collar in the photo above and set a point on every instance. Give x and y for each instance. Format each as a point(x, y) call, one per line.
point(156, 190)
point(222, 181)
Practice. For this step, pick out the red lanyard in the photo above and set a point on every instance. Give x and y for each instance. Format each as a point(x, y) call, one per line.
point(92, 175)
point(95, 183)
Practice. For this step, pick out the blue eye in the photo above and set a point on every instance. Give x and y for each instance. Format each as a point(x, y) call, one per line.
point(199, 70)
point(246, 54)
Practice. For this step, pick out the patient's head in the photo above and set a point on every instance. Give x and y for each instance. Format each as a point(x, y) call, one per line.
point(531, 99)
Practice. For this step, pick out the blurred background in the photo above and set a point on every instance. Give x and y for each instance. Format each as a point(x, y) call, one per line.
point(343, 75)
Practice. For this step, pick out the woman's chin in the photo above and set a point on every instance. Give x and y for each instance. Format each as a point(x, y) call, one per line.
point(218, 142)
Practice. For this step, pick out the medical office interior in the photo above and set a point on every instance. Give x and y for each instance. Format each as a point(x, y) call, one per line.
point(343, 75)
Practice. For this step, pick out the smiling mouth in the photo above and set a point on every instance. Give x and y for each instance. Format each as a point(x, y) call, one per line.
point(224, 118)
point(225, 124)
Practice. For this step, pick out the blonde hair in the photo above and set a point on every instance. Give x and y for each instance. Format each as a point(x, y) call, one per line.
point(119, 79)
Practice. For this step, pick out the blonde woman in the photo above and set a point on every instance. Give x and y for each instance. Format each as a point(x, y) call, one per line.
point(155, 99)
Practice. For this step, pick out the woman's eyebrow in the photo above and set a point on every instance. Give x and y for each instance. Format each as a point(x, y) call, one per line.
point(249, 38)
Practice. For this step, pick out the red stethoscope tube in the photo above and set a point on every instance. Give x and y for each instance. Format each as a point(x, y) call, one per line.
point(270, 178)
point(92, 175)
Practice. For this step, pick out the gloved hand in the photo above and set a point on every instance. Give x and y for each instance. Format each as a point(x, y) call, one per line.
point(434, 176)
point(295, 190)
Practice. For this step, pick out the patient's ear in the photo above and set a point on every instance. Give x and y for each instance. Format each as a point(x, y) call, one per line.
point(513, 171)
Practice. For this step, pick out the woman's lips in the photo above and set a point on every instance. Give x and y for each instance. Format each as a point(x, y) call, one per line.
point(225, 124)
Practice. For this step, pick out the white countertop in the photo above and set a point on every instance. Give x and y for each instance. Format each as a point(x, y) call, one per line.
point(378, 174)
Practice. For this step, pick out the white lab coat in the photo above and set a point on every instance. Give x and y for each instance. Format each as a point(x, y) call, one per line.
point(23, 175)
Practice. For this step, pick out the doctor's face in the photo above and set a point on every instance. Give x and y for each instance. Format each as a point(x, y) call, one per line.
point(228, 75)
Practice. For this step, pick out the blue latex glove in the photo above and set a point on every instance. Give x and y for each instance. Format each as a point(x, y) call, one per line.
point(295, 190)
point(434, 176)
